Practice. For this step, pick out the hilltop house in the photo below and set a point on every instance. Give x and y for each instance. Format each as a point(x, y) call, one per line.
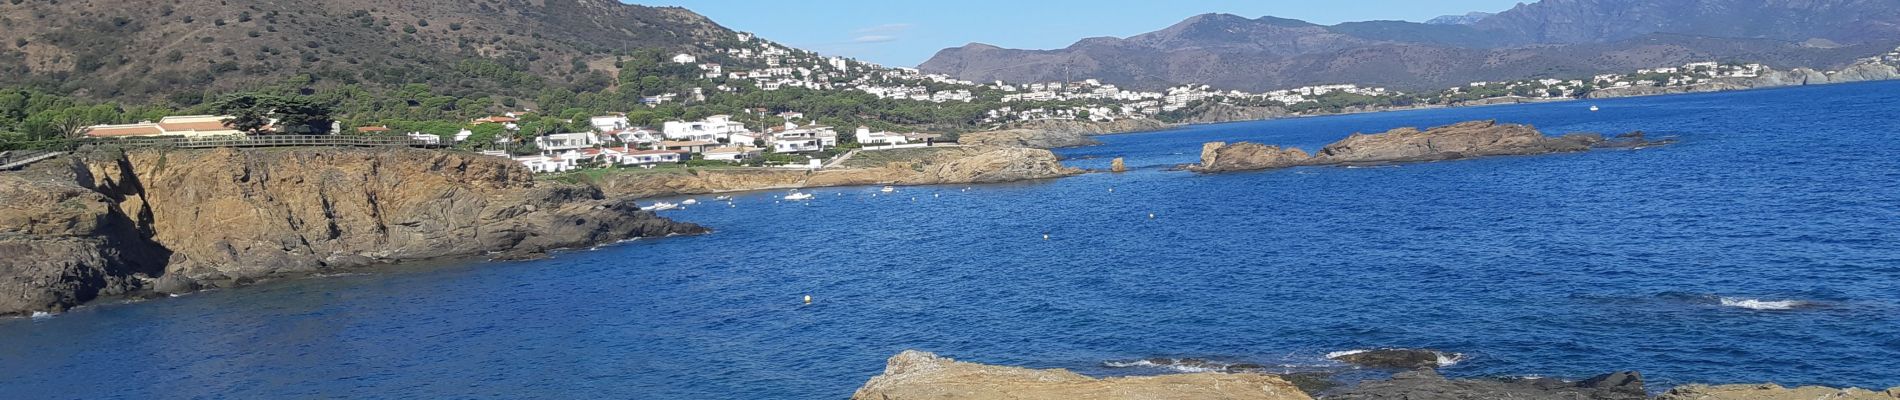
point(559, 142)
point(609, 123)
point(868, 138)
point(732, 153)
point(183, 125)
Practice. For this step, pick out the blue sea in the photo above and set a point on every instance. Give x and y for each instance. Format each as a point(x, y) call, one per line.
point(1765, 246)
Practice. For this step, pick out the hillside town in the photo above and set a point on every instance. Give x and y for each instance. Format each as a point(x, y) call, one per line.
point(794, 140)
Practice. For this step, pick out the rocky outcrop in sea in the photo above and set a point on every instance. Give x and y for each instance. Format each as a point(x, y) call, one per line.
point(922, 166)
point(1450, 142)
point(920, 375)
point(915, 375)
point(146, 222)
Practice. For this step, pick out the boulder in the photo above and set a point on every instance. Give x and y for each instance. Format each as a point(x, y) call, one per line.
point(1774, 392)
point(915, 375)
point(1117, 165)
point(1396, 358)
point(1222, 157)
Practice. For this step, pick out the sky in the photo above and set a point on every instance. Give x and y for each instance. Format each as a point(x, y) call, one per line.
point(907, 32)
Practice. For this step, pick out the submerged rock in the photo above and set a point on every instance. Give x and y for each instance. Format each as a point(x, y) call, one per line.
point(920, 375)
point(1396, 358)
point(1774, 392)
point(1426, 384)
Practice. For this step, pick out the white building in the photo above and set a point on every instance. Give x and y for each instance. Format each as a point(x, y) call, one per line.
point(685, 59)
point(609, 123)
point(732, 153)
point(558, 142)
point(866, 137)
point(711, 129)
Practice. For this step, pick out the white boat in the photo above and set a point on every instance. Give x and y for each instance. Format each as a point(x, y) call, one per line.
point(798, 196)
point(1594, 109)
point(888, 189)
point(723, 198)
point(689, 202)
point(660, 206)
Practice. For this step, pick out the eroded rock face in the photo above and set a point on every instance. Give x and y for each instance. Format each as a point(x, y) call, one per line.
point(1219, 157)
point(1425, 384)
point(1031, 138)
point(927, 166)
point(1464, 140)
point(920, 375)
point(177, 220)
point(1774, 392)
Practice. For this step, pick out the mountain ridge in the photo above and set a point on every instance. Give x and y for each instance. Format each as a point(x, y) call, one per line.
point(1533, 40)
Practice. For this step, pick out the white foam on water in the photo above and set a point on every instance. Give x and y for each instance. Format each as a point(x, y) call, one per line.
point(1446, 360)
point(1173, 365)
point(1755, 304)
point(1338, 354)
point(42, 315)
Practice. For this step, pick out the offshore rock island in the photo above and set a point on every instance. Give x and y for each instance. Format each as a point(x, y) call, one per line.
point(1403, 145)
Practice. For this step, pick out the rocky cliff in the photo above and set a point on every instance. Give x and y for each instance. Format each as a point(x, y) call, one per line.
point(1030, 138)
point(920, 375)
point(920, 166)
point(172, 221)
point(1774, 392)
point(1093, 127)
point(1463, 140)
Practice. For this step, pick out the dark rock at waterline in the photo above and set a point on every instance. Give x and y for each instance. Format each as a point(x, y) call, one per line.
point(1426, 384)
point(1393, 358)
point(174, 284)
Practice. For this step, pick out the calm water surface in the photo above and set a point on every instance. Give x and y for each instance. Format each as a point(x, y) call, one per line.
point(1563, 265)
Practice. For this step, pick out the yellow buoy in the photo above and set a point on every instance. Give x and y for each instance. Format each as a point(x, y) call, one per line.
point(808, 299)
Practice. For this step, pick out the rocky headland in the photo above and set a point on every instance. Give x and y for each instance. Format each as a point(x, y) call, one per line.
point(918, 166)
point(920, 375)
point(1030, 138)
point(1063, 126)
point(146, 222)
point(1450, 142)
point(1858, 72)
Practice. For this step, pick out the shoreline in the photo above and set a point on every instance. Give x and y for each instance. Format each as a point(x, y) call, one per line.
point(1175, 126)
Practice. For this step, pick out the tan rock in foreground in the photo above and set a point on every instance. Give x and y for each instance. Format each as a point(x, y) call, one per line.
point(1774, 392)
point(921, 375)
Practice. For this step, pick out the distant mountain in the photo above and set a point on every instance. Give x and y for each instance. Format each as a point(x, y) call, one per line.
point(114, 49)
point(1467, 19)
point(1549, 38)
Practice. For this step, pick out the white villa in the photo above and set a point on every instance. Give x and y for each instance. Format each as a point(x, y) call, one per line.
point(866, 137)
point(732, 153)
point(559, 142)
point(609, 123)
point(794, 139)
point(711, 129)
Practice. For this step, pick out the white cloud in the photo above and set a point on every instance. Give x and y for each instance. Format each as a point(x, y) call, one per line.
point(874, 39)
point(885, 28)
